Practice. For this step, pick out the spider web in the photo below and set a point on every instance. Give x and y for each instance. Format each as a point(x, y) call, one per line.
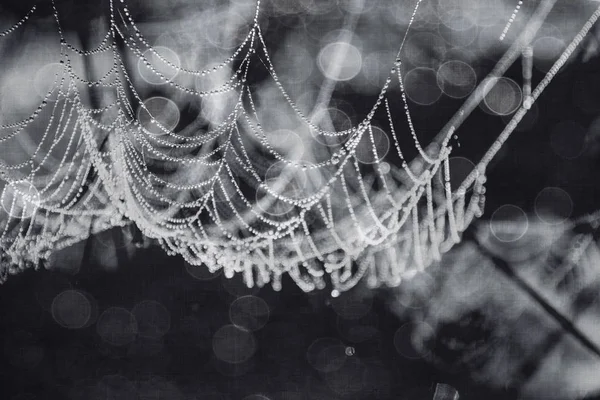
point(222, 195)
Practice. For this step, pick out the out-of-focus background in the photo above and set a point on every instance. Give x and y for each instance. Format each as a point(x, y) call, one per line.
point(512, 312)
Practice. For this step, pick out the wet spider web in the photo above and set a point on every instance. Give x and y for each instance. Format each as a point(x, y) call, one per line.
point(367, 200)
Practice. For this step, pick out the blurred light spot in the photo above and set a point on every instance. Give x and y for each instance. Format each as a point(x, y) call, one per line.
point(159, 65)
point(326, 354)
point(460, 168)
point(249, 312)
point(340, 61)
point(46, 290)
point(224, 28)
point(509, 223)
point(410, 339)
point(158, 112)
point(504, 96)
point(553, 205)
point(116, 326)
point(331, 119)
point(421, 86)
point(456, 79)
point(71, 309)
point(567, 139)
point(233, 345)
point(384, 167)
point(372, 151)
point(457, 19)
